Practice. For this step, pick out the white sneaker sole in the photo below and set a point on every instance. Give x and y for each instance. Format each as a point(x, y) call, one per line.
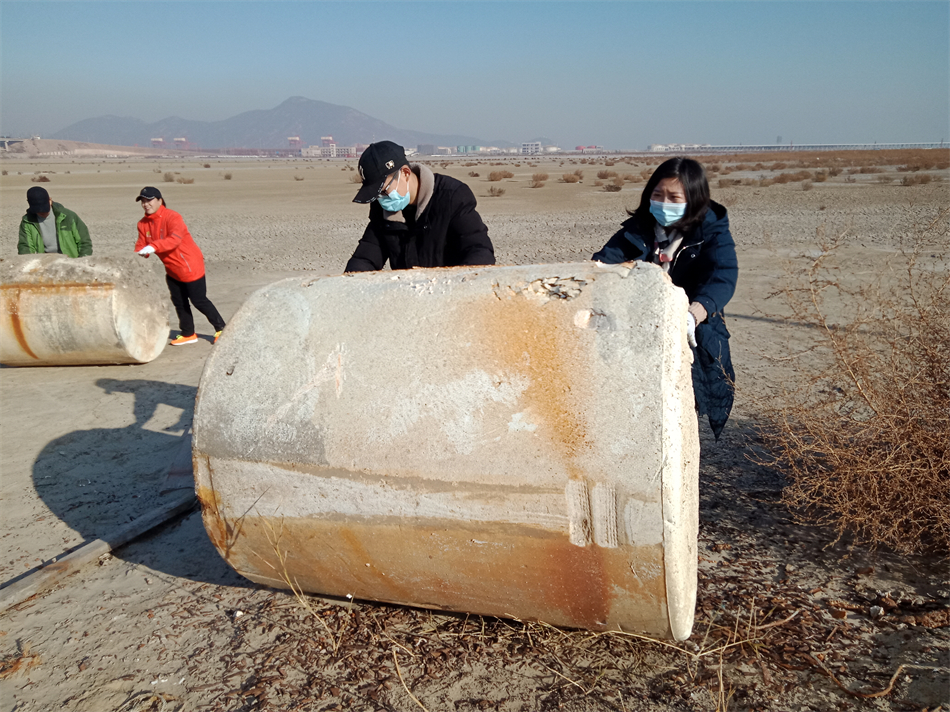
point(182, 343)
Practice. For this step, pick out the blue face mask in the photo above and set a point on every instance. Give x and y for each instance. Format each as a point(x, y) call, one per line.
point(394, 202)
point(667, 213)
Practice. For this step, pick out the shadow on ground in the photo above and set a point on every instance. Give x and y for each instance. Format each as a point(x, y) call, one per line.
point(99, 480)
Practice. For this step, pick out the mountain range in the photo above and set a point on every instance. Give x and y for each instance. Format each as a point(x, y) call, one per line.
point(262, 128)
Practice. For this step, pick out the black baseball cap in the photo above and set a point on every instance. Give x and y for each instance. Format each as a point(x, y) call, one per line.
point(148, 192)
point(378, 161)
point(38, 200)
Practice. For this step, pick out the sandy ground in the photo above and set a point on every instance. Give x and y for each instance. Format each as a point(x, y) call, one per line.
point(164, 623)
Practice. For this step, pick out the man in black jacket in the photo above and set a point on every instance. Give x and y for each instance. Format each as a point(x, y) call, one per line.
point(417, 218)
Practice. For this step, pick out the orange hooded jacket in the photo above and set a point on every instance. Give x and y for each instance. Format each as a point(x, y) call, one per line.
point(166, 232)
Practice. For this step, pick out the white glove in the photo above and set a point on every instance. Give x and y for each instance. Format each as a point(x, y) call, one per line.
point(691, 329)
point(146, 251)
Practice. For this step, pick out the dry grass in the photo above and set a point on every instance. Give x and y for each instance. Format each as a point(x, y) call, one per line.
point(500, 175)
point(604, 175)
point(168, 178)
point(21, 661)
point(227, 176)
point(298, 178)
point(570, 178)
point(496, 192)
point(40, 179)
point(473, 174)
point(538, 180)
point(862, 426)
point(184, 181)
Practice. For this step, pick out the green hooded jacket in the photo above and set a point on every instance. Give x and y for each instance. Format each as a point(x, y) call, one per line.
point(71, 231)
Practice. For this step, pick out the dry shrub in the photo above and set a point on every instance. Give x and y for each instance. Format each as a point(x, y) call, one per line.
point(834, 171)
point(500, 175)
point(615, 186)
point(227, 176)
point(646, 173)
point(870, 169)
point(608, 163)
point(885, 179)
point(538, 179)
point(604, 175)
point(40, 179)
point(570, 178)
point(169, 177)
point(807, 185)
point(910, 168)
point(185, 181)
point(579, 173)
point(207, 165)
point(355, 178)
point(469, 164)
point(765, 182)
point(156, 170)
point(473, 174)
point(861, 424)
point(598, 183)
point(298, 177)
point(496, 192)
point(729, 182)
point(916, 179)
point(778, 166)
point(820, 177)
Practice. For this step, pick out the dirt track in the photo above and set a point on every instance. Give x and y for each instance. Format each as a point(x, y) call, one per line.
point(85, 449)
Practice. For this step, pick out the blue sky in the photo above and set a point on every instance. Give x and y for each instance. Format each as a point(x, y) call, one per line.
point(618, 74)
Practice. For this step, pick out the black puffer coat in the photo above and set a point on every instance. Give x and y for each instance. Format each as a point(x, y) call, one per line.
point(447, 231)
point(706, 268)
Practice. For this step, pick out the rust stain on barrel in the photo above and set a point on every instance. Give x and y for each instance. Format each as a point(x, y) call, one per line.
point(11, 297)
point(488, 568)
point(526, 335)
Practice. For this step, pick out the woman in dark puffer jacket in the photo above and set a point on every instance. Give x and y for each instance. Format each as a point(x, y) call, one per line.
point(678, 227)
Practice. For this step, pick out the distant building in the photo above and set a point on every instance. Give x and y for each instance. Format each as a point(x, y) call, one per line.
point(531, 148)
point(467, 149)
point(293, 141)
point(427, 149)
point(329, 151)
point(326, 141)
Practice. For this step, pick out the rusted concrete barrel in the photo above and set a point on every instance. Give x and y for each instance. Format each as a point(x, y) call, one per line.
point(512, 441)
point(60, 311)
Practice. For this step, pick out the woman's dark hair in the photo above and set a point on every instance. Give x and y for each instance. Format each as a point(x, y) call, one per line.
point(691, 174)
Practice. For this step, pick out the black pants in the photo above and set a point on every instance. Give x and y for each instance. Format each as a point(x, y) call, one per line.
point(182, 293)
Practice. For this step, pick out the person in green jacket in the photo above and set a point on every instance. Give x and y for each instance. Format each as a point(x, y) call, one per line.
point(49, 227)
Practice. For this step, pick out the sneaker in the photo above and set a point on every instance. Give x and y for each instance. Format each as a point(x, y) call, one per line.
point(182, 340)
point(217, 335)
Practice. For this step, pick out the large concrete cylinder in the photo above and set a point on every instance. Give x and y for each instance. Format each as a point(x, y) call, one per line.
point(511, 441)
point(60, 311)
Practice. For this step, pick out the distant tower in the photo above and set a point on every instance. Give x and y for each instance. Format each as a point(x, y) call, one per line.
point(181, 143)
point(294, 141)
point(326, 141)
point(158, 143)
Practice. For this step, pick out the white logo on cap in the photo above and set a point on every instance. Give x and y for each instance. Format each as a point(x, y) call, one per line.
point(390, 164)
point(361, 173)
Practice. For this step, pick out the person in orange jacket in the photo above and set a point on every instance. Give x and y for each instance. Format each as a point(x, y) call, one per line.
point(163, 232)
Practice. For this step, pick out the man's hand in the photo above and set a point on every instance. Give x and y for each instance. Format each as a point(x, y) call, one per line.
point(691, 329)
point(146, 251)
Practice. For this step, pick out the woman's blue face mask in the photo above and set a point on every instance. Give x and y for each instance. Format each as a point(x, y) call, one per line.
point(394, 202)
point(667, 213)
